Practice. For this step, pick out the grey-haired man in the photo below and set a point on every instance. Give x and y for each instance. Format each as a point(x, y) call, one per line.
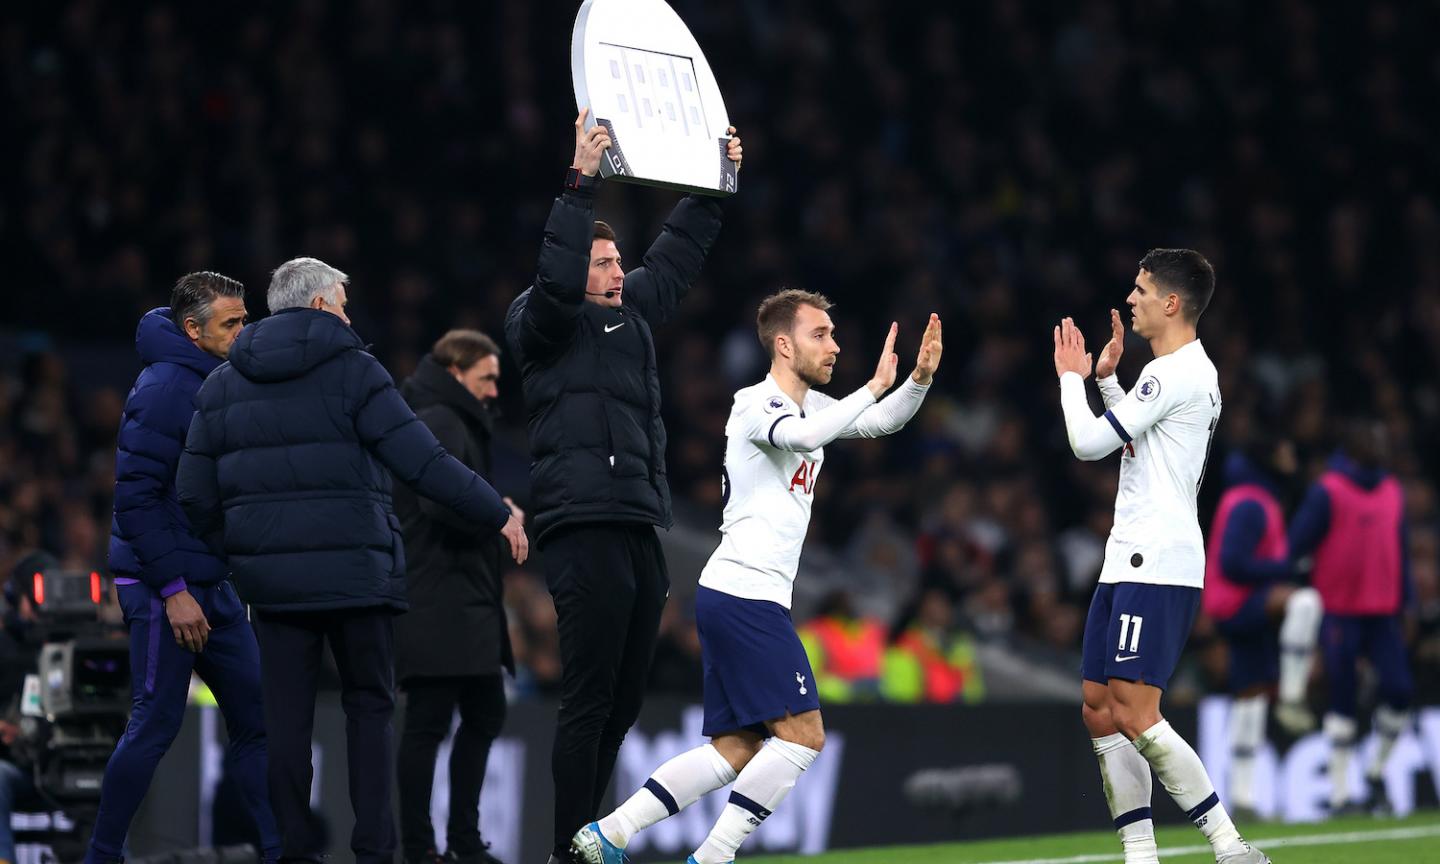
point(286, 473)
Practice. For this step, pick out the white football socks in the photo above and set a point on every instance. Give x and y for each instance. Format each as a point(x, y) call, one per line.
point(758, 790)
point(1184, 777)
point(674, 786)
point(1341, 732)
point(1247, 735)
point(1389, 724)
point(1126, 778)
point(1298, 632)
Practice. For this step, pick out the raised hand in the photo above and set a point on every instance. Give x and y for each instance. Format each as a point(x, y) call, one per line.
point(885, 370)
point(1110, 355)
point(930, 348)
point(1070, 353)
point(589, 145)
point(514, 531)
point(733, 149)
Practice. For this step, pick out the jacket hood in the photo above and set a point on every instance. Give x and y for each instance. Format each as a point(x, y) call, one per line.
point(159, 340)
point(432, 384)
point(290, 343)
point(1366, 478)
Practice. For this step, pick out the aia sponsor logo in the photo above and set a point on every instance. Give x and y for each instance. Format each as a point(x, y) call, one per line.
point(804, 478)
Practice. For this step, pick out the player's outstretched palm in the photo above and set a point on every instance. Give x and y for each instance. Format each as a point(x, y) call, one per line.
point(885, 370)
point(1110, 355)
point(930, 347)
point(1070, 353)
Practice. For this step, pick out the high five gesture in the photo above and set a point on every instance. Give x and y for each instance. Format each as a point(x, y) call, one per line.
point(1070, 353)
point(930, 347)
point(885, 370)
point(1110, 355)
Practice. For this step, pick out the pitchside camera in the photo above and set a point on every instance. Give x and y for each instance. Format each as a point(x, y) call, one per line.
point(65, 596)
point(87, 675)
point(76, 702)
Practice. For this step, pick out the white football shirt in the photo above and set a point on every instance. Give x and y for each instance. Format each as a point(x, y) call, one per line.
point(1166, 424)
point(769, 480)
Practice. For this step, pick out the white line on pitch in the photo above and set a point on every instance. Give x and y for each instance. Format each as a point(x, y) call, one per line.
point(1275, 842)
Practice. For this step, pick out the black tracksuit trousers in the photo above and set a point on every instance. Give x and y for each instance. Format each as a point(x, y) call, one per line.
point(609, 583)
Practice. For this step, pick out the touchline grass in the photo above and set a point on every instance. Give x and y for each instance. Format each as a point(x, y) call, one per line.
point(1413, 840)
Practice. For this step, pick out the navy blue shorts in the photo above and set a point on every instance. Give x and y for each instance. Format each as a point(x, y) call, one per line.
point(1254, 641)
point(1136, 632)
point(755, 667)
point(1378, 638)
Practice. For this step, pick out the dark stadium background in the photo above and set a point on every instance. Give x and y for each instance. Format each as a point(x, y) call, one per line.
point(1003, 163)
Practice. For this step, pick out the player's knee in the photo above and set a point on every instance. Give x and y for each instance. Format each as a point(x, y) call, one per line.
point(737, 750)
point(1098, 720)
point(811, 738)
point(817, 740)
point(1095, 711)
point(1132, 721)
point(809, 735)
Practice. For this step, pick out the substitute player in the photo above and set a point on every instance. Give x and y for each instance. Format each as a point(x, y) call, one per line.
point(1352, 521)
point(1150, 586)
point(1248, 592)
point(758, 682)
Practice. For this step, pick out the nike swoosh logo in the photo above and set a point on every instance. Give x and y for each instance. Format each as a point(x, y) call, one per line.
point(1119, 659)
point(609, 329)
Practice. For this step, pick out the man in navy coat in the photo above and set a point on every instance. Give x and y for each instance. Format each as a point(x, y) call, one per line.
point(181, 609)
point(286, 473)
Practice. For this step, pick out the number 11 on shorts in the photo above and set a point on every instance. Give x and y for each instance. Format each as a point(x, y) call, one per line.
point(1132, 633)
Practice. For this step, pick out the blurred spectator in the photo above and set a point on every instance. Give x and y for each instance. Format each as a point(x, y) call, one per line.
point(845, 651)
point(931, 660)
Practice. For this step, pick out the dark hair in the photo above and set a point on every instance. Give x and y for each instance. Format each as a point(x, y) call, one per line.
point(603, 231)
point(1187, 273)
point(195, 293)
point(777, 313)
point(1365, 439)
point(463, 349)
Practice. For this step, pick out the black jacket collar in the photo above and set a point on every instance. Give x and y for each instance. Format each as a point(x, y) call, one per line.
point(432, 384)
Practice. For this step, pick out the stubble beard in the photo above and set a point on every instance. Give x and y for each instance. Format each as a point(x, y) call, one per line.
point(815, 375)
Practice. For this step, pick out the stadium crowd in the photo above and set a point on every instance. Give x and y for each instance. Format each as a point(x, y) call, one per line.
point(419, 152)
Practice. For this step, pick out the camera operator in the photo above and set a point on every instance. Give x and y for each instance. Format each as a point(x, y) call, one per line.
point(18, 657)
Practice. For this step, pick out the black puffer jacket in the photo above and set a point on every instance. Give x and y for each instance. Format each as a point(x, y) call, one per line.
point(592, 393)
point(287, 466)
point(456, 623)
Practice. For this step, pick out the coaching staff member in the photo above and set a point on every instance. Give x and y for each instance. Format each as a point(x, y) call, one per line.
point(286, 472)
point(452, 644)
point(179, 605)
point(581, 335)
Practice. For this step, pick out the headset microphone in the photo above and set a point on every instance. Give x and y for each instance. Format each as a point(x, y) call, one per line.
point(606, 294)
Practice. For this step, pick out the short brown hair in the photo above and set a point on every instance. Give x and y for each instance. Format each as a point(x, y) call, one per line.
point(463, 349)
point(777, 313)
point(603, 231)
